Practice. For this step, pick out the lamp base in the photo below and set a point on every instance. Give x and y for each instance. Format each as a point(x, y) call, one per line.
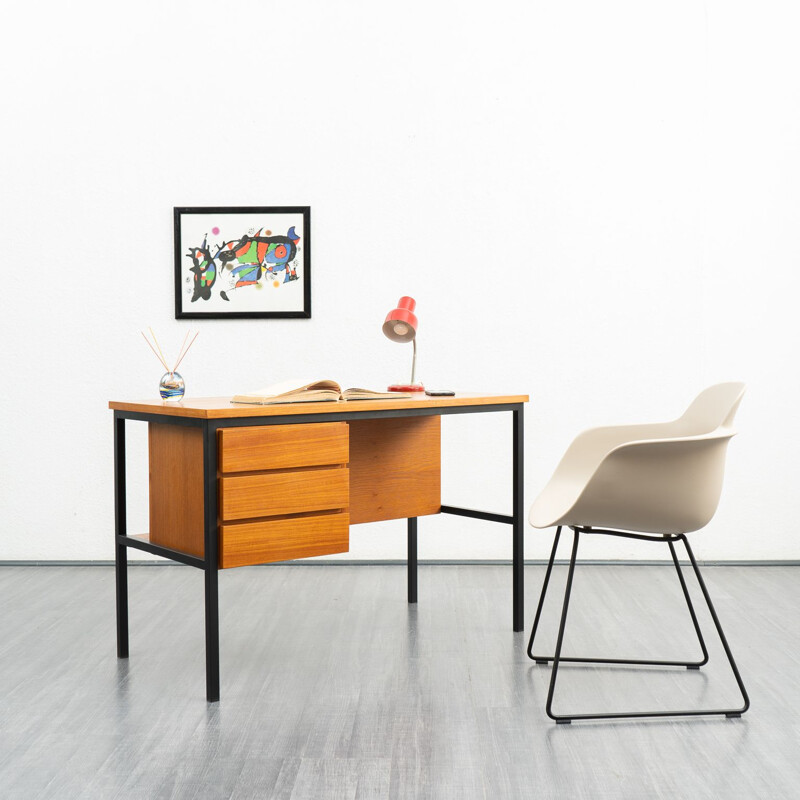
point(406, 387)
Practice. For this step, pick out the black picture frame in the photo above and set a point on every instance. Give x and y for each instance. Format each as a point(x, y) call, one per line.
point(196, 296)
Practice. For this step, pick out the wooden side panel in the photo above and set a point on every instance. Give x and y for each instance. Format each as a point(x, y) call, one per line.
point(283, 539)
point(282, 446)
point(176, 487)
point(395, 468)
point(272, 494)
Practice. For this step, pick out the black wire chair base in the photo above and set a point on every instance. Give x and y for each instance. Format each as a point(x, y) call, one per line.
point(557, 658)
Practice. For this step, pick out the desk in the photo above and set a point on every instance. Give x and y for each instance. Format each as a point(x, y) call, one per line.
point(232, 485)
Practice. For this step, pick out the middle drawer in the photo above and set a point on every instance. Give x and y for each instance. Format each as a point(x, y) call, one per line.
point(273, 494)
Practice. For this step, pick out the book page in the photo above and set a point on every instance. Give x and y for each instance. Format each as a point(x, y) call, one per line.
point(292, 387)
point(369, 394)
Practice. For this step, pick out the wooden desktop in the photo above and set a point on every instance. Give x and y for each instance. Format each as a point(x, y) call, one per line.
point(233, 485)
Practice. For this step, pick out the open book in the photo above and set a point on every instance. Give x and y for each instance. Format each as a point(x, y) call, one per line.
point(316, 392)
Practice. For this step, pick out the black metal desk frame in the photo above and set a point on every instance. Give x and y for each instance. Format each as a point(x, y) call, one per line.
point(209, 563)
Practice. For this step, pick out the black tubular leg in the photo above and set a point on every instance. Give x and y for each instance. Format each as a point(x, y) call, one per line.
point(211, 568)
point(412, 559)
point(732, 712)
point(212, 634)
point(120, 529)
point(542, 596)
point(696, 624)
point(560, 640)
point(518, 500)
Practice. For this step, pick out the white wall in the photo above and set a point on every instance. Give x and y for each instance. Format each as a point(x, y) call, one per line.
point(594, 203)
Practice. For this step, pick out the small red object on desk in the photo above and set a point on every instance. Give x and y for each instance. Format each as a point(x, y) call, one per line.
point(401, 326)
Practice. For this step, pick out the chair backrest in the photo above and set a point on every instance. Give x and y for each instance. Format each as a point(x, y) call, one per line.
point(712, 409)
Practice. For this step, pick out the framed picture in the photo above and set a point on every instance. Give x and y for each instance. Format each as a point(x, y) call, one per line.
point(247, 262)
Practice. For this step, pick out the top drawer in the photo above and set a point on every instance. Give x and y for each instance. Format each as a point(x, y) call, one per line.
point(282, 446)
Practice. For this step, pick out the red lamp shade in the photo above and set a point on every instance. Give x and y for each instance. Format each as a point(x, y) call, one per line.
point(401, 326)
point(401, 323)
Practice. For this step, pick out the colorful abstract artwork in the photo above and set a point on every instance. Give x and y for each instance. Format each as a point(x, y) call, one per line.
point(242, 262)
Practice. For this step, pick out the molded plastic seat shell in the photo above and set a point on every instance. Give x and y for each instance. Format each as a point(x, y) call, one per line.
point(656, 478)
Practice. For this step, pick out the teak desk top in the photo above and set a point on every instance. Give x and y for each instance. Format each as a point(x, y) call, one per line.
point(222, 407)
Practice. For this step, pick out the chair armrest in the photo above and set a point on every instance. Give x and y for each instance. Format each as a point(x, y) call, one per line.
point(595, 443)
point(668, 485)
point(590, 447)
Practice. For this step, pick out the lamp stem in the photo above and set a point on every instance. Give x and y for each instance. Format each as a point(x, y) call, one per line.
point(414, 360)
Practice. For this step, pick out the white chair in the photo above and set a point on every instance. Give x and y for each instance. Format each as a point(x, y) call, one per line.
point(653, 482)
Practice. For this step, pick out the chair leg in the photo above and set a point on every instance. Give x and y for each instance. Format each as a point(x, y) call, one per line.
point(557, 659)
point(688, 599)
point(541, 598)
point(540, 659)
point(732, 712)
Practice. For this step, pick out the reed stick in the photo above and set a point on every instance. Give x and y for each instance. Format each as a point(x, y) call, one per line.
point(163, 360)
point(181, 351)
point(154, 352)
point(187, 350)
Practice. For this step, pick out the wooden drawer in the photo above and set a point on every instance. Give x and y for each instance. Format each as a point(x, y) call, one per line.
point(246, 543)
point(275, 493)
point(282, 446)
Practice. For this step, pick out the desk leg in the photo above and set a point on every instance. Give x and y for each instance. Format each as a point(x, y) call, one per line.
point(412, 560)
point(120, 529)
point(212, 635)
point(518, 550)
point(211, 569)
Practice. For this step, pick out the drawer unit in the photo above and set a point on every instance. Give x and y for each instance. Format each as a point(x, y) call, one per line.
point(283, 491)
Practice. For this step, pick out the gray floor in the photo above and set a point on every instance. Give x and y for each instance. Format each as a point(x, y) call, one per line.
point(332, 686)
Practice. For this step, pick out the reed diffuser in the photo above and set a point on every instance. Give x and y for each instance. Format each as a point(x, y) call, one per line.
point(171, 387)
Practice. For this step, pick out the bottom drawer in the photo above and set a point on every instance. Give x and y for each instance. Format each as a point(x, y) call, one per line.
point(246, 543)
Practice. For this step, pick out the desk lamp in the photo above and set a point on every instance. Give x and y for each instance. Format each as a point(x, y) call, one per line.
point(401, 326)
